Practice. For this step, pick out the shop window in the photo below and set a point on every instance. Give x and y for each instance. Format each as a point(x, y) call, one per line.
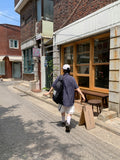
point(90, 59)
point(68, 56)
point(101, 50)
point(2, 68)
point(83, 69)
point(101, 62)
point(83, 81)
point(102, 76)
point(83, 59)
point(28, 61)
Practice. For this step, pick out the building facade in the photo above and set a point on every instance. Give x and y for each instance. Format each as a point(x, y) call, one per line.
point(87, 36)
point(10, 51)
point(36, 18)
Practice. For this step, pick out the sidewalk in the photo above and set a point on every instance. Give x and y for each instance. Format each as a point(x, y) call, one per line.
point(112, 125)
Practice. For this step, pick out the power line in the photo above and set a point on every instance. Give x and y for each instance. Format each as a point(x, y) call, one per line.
point(9, 17)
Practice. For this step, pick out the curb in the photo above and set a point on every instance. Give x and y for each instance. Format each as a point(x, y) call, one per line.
point(32, 94)
point(107, 127)
point(97, 122)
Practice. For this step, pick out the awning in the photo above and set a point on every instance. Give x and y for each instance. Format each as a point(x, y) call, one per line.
point(15, 58)
point(1, 58)
point(12, 58)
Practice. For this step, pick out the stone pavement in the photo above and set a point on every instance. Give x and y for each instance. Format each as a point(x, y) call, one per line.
point(112, 125)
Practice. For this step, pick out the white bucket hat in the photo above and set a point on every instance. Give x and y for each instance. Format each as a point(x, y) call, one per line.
point(66, 66)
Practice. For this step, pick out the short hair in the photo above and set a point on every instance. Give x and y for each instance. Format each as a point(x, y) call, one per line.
point(66, 70)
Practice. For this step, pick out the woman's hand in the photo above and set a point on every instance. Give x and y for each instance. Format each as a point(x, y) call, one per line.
point(83, 98)
point(46, 94)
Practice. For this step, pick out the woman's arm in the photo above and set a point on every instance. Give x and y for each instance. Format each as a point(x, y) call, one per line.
point(79, 91)
point(45, 94)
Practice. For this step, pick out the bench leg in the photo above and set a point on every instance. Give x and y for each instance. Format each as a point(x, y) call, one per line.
point(92, 107)
point(100, 108)
point(104, 102)
point(97, 108)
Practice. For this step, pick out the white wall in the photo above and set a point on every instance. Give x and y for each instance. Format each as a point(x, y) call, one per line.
point(43, 75)
point(28, 44)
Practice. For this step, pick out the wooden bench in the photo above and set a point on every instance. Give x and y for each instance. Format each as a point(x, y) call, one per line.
point(103, 96)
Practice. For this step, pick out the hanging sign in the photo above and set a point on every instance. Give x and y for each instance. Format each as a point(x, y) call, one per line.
point(36, 52)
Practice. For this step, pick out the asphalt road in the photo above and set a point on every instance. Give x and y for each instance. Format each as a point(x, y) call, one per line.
point(28, 131)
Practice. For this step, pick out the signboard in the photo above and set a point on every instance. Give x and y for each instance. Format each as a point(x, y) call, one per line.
point(87, 117)
point(36, 52)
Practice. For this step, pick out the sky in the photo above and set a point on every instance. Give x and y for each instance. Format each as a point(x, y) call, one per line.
point(8, 14)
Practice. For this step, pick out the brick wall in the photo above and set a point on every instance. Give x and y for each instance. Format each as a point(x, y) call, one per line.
point(39, 27)
point(3, 40)
point(28, 31)
point(8, 32)
point(28, 20)
point(13, 32)
point(78, 8)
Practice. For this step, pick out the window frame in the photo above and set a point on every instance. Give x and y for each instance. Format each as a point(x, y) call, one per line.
point(13, 44)
point(83, 75)
point(92, 65)
point(107, 35)
point(71, 65)
point(28, 58)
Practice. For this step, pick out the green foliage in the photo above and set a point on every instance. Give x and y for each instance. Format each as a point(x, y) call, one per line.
point(50, 74)
point(47, 89)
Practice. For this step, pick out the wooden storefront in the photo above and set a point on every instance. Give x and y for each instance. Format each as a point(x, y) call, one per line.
point(89, 61)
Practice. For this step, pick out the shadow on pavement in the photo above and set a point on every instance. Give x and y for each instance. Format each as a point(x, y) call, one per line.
point(74, 123)
point(30, 140)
